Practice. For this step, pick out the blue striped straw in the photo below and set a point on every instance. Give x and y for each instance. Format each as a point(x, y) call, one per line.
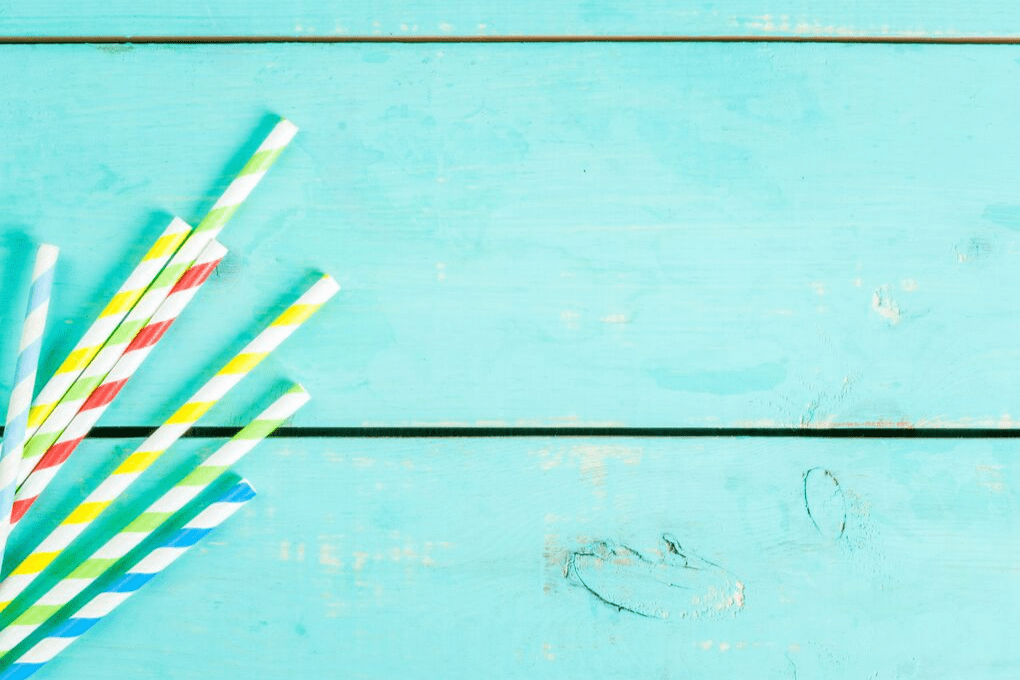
point(131, 580)
point(24, 383)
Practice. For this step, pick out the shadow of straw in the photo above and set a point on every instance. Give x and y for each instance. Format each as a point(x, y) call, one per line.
point(234, 165)
point(17, 268)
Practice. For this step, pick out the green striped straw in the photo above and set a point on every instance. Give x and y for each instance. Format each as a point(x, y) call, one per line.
point(103, 559)
point(208, 229)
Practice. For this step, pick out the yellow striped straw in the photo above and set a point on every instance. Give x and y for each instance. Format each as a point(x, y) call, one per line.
point(163, 438)
point(102, 328)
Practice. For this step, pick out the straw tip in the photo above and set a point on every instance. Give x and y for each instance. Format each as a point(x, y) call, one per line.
point(178, 224)
point(298, 388)
point(283, 132)
point(214, 251)
point(48, 251)
point(45, 259)
point(327, 282)
point(243, 490)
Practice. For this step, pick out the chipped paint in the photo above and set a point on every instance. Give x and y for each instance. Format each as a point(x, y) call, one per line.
point(680, 585)
point(885, 306)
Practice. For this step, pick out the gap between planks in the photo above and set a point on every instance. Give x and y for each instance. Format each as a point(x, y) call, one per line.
point(447, 432)
point(440, 39)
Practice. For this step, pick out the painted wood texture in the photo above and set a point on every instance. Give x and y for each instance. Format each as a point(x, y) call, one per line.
point(640, 235)
point(369, 559)
point(529, 17)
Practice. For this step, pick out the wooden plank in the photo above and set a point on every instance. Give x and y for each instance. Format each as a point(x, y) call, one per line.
point(640, 235)
point(530, 17)
point(446, 559)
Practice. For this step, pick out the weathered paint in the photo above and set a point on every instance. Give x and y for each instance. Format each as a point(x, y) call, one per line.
point(525, 17)
point(446, 558)
point(602, 234)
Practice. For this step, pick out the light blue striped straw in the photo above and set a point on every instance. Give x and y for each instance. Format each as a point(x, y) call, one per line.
point(131, 580)
point(24, 383)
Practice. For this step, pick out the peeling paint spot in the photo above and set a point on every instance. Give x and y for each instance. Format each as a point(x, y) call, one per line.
point(614, 318)
point(825, 503)
point(440, 271)
point(908, 285)
point(886, 307)
point(327, 557)
point(973, 249)
point(681, 585)
point(591, 460)
point(818, 287)
point(570, 319)
point(990, 478)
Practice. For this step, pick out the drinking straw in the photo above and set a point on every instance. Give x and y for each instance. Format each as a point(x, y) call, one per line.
point(162, 439)
point(111, 316)
point(117, 592)
point(174, 500)
point(132, 358)
point(208, 229)
point(24, 382)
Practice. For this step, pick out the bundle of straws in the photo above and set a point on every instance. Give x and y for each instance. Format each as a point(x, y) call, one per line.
point(41, 433)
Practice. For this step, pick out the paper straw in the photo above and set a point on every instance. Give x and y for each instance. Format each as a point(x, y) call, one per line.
point(92, 374)
point(174, 500)
point(130, 361)
point(180, 495)
point(114, 594)
point(208, 229)
point(163, 438)
point(249, 177)
point(111, 316)
point(24, 382)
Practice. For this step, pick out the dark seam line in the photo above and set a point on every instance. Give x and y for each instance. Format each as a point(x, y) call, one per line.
point(440, 39)
point(426, 432)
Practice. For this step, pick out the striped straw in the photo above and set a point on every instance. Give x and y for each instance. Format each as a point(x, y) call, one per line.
point(163, 438)
point(113, 595)
point(208, 229)
point(180, 495)
point(102, 328)
point(24, 382)
point(249, 177)
point(130, 361)
point(160, 511)
point(107, 356)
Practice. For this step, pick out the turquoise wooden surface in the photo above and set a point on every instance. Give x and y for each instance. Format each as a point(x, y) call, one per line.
point(570, 17)
point(393, 559)
point(552, 235)
point(640, 235)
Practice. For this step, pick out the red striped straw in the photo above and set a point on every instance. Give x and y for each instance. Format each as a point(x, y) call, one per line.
point(135, 354)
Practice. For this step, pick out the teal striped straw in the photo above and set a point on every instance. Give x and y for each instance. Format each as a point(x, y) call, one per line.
point(130, 580)
point(24, 383)
point(149, 521)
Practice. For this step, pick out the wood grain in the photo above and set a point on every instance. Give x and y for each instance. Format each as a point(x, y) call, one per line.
point(640, 235)
point(446, 558)
point(530, 17)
